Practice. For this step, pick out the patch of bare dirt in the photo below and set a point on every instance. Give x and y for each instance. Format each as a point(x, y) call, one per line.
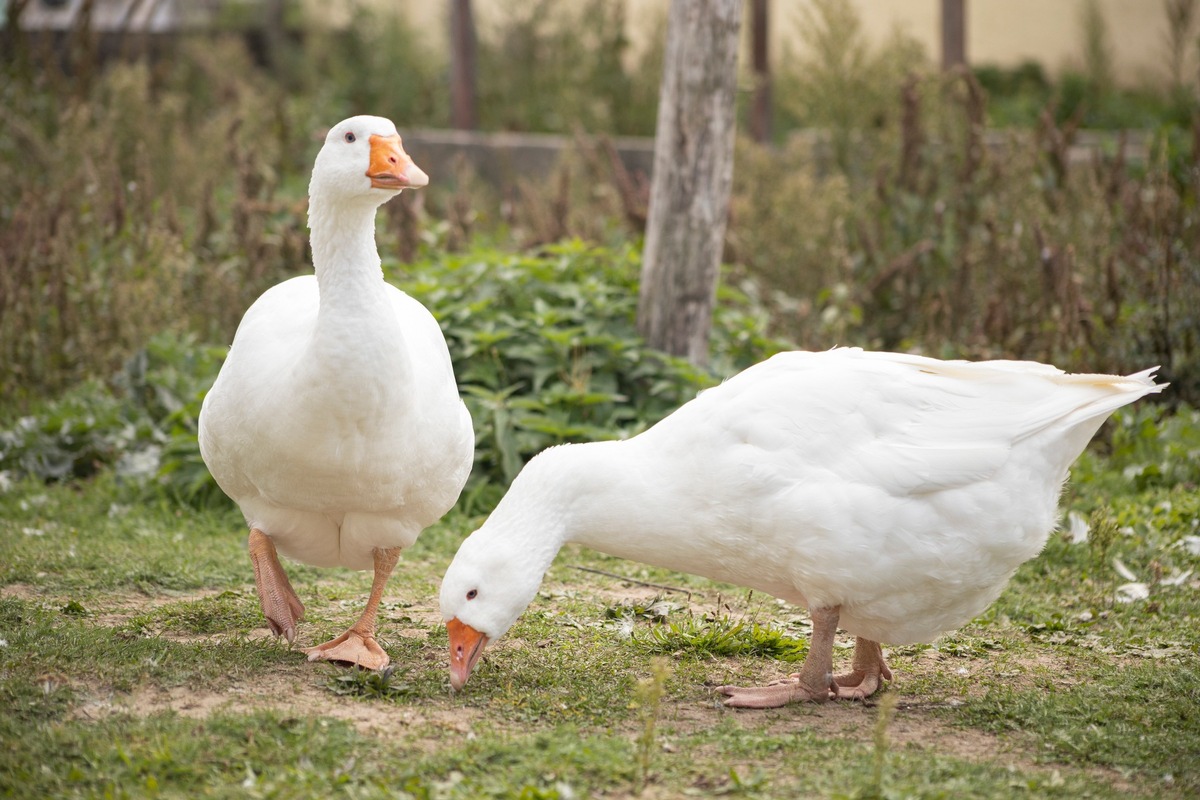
point(914, 722)
point(295, 690)
point(20, 591)
point(111, 609)
point(1021, 669)
point(912, 725)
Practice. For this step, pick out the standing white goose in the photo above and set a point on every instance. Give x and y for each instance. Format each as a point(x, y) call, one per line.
point(335, 423)
point(893, 495)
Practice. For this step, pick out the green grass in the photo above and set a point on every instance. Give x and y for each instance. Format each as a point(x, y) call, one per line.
point(135, 664)
point(721, 636)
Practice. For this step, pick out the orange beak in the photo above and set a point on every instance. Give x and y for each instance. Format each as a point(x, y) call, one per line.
point(466, 645)
point(391, 167)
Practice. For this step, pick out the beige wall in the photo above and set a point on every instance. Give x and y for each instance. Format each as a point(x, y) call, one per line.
point(1003, 32)
point(1007, 32)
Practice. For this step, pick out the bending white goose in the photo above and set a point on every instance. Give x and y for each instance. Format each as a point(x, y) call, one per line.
point(335, 423)
point(893, 495)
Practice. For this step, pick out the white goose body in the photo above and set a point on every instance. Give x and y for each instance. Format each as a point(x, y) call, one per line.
point(903, 491)
point(335, 422)
point(342, 440)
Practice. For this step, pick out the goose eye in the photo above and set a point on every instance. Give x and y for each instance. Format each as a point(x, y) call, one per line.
point(471, 595)
point(349, 137)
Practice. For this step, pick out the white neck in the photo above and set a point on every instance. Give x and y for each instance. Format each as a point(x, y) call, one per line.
point(357, 334)
point(591, 494)
point(344, 254)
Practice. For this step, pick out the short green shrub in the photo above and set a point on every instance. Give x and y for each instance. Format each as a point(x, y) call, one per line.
point(86, 429)
point(546, 350)
point(143, 424)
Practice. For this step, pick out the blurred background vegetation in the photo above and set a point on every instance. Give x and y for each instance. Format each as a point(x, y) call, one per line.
point(147, 197)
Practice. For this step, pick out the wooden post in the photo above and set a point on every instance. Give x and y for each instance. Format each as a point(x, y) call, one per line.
point(273, 34)
point(954, 33)
point(462, 66)
point(13, 42)
point(693, 173)
point(760, 112)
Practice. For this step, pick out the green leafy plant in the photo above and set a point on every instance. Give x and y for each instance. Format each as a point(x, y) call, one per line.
point(546, 350)
point(74, 436)
point(1155, 448)
point(1103, 532)
point(368, 683)
point(142, 424)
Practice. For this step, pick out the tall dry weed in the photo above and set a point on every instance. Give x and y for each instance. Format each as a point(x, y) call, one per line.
point(116, 225)
point(965, 243)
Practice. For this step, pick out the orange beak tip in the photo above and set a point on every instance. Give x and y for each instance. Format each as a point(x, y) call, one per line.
point(466, 645)
point(416, 176)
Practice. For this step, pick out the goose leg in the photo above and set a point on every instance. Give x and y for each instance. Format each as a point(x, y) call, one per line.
point(867, 673)
point(814, 681)
point(279, 602)
point(358, 645)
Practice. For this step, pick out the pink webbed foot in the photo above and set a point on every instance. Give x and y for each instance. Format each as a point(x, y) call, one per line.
point(351, 647)
point(358, 645)
point(278, 599)
point(791, 689)
point(867, 673)
point(812, 684)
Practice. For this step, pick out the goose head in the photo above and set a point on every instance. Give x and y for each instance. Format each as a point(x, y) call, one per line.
point(483, 593)
point(363, 160)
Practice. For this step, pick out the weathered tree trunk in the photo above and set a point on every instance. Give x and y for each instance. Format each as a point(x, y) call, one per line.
point(693, 171)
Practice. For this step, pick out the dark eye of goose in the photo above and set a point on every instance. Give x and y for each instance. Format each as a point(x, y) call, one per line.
point(471, 595)
point(349, 137)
